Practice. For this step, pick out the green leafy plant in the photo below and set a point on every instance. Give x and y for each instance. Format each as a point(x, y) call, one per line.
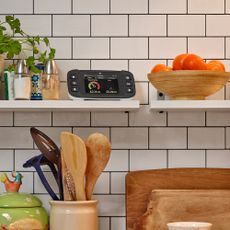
point(12, 46)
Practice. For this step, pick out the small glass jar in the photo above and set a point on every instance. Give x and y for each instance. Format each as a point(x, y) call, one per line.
point(22, 82)
point(50, 82)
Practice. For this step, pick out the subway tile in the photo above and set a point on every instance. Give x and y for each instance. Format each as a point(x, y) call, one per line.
point(227, 6)
point(227, 47)
point(207, 7)
point(147, 159)
point(118, 161)
point(183, 25)
point(15, 137)
point(129, 6)
point(139, 25)
point(32, 118)
point(109, 119)
point(54, 133)
point(118, 223)
point(166, 47)
point(109, 25)
point(216, 118)
point(219, 95)
point(110, 64)
point(64, 91)
point(71, 118)
point(110, 205)
point(52, 6)
point(36, 24)
point(85, 132)
point(186, 158)
point(218, 158)
point(91, 48)
point(141, 92)
point(38, 186)
point(141, 68)
point(167, 138)
point(153, 92)
point(124, 48)
point(6, 160)
point(145, 117)
point(27, 182)
point(213, 23)
point(207, 47)
point(90, 7)
point(104, 223)
point(64, 66)
point(118, 182)
point(63, 47)
point(78, 25)
point(16, 7)
point(186, 118)
point(6, 118)
point(167, 6)
point(206, 138)
point(102, 184)
point(129, 138)
point(23, 155)
point(227, 137)
point(227, 91)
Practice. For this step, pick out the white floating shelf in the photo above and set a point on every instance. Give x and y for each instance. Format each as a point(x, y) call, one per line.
point(69, 105)
point(192, 105)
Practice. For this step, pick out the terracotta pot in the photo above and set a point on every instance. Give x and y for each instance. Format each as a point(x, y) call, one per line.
point(73, 215)
point(2, 64)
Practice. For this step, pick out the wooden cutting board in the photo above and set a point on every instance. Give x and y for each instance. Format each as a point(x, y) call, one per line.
point(139, 185)
point(166, 206)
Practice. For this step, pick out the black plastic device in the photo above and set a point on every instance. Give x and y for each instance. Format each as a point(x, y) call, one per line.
point(100, 84)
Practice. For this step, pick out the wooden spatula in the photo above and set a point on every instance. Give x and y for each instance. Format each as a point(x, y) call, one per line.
point(98, 153)
point(75, 158)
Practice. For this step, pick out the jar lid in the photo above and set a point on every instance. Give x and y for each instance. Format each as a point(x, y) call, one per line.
point(18, 200)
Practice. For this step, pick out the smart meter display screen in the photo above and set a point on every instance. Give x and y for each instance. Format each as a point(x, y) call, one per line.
point(101, 84)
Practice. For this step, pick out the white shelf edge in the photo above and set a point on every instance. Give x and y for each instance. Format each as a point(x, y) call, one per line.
point(190, 105)
point(69, 105)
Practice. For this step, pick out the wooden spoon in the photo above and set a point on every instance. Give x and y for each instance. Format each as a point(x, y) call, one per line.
point(98, 153)
point(75, 158)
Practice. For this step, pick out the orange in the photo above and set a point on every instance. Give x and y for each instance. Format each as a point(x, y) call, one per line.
point(194, 62)
point(215, 66)
point(178, 61)
point(160, 68)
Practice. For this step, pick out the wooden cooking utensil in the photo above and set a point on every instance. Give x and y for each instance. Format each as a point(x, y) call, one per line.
point(98, 153)
point(68, 184)
point(75, 158)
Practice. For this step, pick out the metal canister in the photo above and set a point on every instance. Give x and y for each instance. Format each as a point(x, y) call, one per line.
point(50, 82)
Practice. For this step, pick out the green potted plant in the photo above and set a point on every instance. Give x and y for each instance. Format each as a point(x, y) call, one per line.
point(15, 42)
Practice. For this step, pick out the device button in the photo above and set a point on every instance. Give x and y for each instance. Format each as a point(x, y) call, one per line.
point(73, 83)
point(74, 89)
point(73, 77)
point(127, 77)
point(129, 90)
point(128, 83)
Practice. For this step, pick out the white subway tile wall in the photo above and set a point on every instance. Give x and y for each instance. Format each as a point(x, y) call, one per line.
point(131, 35)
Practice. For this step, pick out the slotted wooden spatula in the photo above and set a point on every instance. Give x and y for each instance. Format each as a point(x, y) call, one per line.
point(75, 158)
point(98, 153)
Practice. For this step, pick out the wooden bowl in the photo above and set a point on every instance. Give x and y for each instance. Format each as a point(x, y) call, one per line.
point(189, 84)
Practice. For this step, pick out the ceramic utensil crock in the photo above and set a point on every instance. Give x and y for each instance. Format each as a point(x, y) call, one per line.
point(73, 215)
point(189, 226)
